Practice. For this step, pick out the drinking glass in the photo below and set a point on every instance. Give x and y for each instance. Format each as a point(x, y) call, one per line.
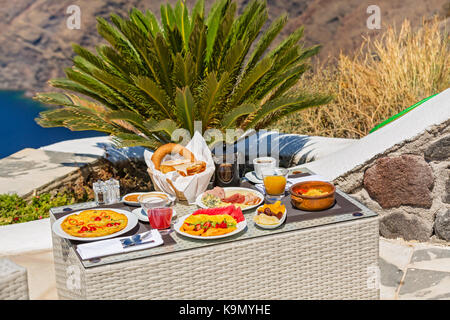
point(160, 217)
point(158, 210)
point(274, 180)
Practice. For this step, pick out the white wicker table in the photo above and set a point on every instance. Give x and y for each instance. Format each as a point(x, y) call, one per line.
point(332, 257)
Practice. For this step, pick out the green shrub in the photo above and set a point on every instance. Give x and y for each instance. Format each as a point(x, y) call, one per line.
point(14, 209)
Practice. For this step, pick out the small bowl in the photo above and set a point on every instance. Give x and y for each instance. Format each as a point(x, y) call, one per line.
point(313, 203)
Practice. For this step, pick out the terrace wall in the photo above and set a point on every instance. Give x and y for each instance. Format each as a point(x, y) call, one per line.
point(409, 186)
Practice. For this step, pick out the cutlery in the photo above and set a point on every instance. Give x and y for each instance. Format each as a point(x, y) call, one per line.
point(135, 240)
point(131, 244)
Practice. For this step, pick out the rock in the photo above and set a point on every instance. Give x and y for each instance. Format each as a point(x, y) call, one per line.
point(446, 196)
point(403, 180)
point(442, 224)
point(438, 151)
point(406, 226)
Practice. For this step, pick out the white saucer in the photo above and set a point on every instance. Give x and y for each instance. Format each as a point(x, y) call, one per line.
point(251, 176)
point(140, 214)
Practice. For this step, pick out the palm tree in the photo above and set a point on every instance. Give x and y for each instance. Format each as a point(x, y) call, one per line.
point(155, 77)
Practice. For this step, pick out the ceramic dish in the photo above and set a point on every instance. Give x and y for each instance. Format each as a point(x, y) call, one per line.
point(316, 202)
point(272, 226)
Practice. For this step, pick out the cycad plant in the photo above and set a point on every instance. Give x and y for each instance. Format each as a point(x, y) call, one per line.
point(155, 77)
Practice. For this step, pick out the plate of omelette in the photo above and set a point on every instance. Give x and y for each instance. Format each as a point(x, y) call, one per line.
point(95, 224)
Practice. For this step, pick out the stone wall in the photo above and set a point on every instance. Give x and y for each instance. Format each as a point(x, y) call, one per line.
point(409, 186)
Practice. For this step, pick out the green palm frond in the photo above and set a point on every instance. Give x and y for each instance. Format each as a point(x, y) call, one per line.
point(155, 27)
point(212, 94)
point(167, 126)
point(266, 40)
point(231, 117)
point(183, 22)
point(185, 108)
point(153, 76)
point(198, 11)
point(197, 45)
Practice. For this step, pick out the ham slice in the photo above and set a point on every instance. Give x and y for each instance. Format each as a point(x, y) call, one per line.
point(217, 191)
point(235, 198)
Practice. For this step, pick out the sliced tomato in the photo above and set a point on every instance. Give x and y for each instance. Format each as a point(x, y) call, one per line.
point(83, 229)
point(109, 225)
point(98, 219)
point(207, 225)
point(198, 227)
point(92, 228)
point(223, 225)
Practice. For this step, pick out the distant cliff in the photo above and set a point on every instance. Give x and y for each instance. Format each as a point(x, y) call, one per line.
point(35, 43)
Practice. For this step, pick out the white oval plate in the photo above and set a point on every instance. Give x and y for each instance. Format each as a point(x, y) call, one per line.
point(272, 226)
point(137, 204)
point(139, 213)
point(199, 202)
point(240, 227)
point(132, 222)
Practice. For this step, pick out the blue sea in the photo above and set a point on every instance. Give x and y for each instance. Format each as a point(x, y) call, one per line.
point(19, 130)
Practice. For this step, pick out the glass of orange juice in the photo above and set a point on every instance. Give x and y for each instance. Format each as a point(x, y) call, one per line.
point(274, 181)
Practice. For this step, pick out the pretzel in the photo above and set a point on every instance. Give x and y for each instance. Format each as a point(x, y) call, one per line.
point(170, 148)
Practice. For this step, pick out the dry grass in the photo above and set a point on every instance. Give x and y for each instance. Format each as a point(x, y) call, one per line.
point(385, 77)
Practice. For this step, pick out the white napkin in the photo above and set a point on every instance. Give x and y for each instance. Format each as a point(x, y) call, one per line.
point(190, 186)
point(114, 246)
point(291, 181)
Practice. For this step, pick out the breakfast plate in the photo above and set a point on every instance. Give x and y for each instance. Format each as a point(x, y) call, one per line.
point(131, 222)
point(142, 216)
point(271, 226)
point(255, 198)
point(239, 228)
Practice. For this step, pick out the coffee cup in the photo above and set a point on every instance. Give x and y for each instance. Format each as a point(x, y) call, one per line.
point(263, 162)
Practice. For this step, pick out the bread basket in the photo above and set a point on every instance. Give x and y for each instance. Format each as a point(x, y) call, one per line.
point(180, 196)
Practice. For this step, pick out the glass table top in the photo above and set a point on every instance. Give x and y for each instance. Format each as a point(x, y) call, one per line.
point(175, 242)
